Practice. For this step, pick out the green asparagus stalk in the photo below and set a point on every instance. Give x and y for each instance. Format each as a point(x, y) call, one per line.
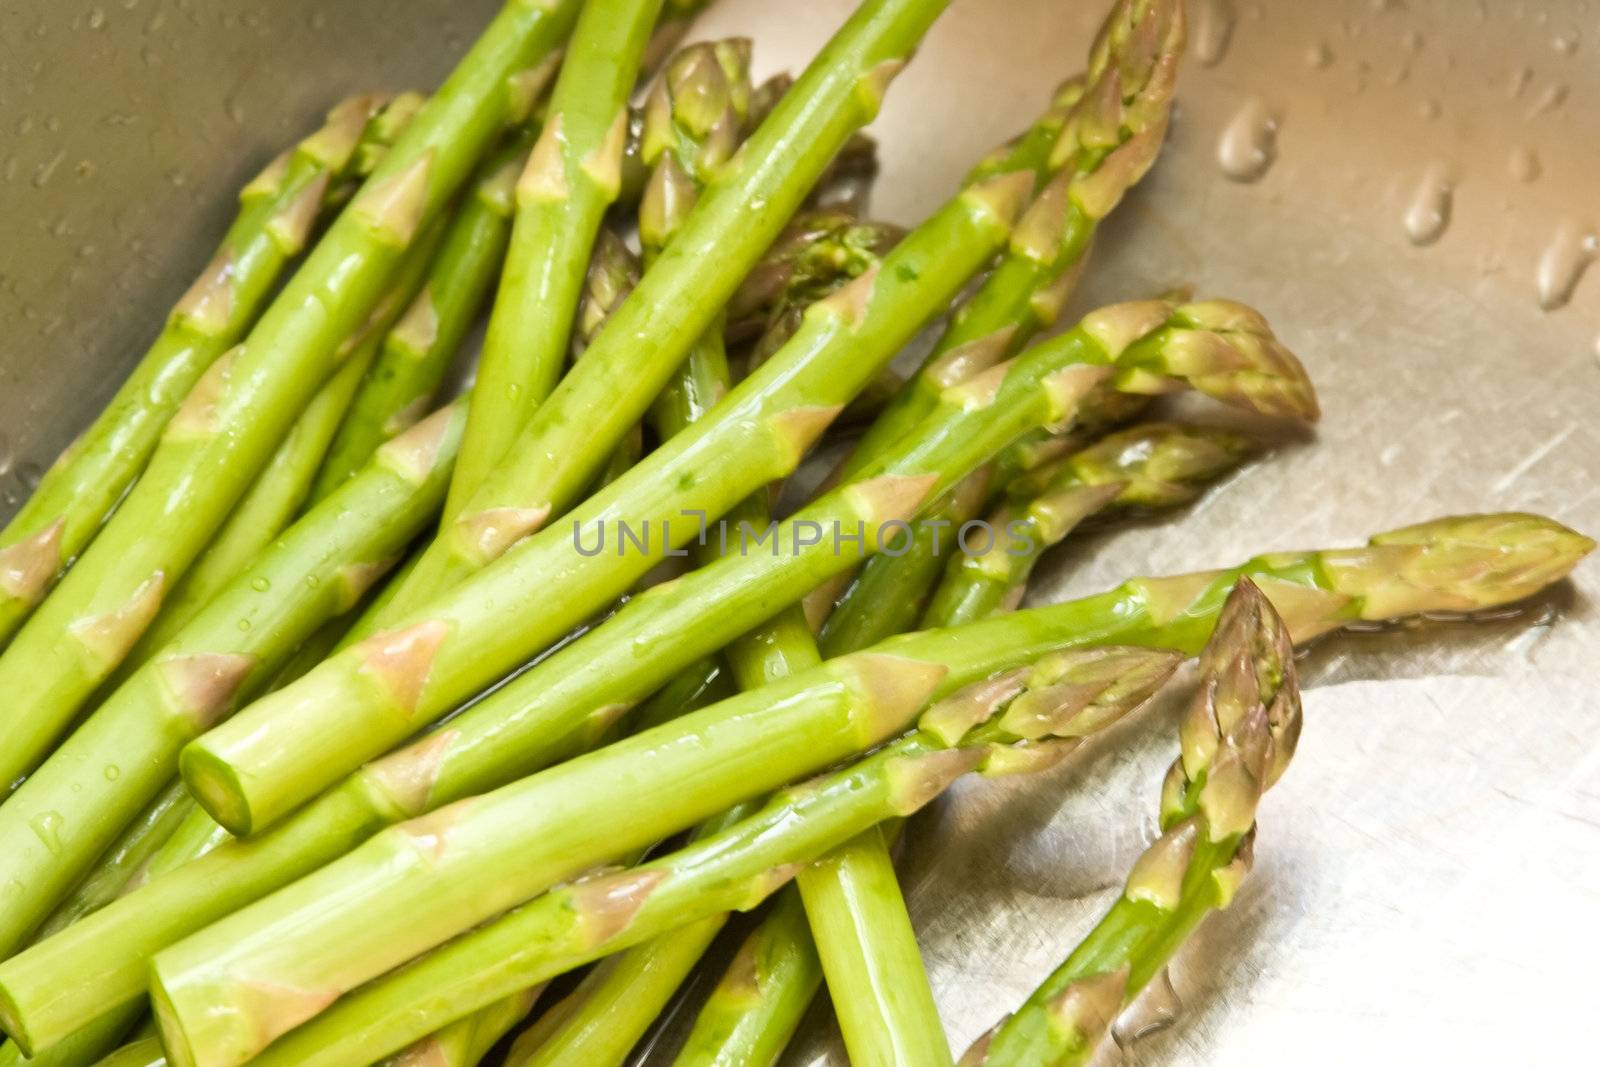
point(1464, 564)
point(283, 488)
point(146, 1052)
point(1110, 137)
point(1149, 466)
point(278, 210)
point(1237, 738)
point(572, 177)
point(383, 130)
point(757, 435)
point(465, 1042)
point(74, 806)
point(417, 352)
point(757, 1005)
point(677, 17)
point(570, 435)
point(1022, 718)
point(245, 403)
point(875, 975)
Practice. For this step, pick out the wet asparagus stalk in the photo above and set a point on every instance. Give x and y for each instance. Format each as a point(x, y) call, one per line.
point(572, 177)
point(1237, 738)
point(1462, 563)
point(277, 212)
point(247, 400)
point(126, 752)
point(1105, 140)
point(417, 352)
point(1025, 717)
point(1152, 465)
point(283, 488)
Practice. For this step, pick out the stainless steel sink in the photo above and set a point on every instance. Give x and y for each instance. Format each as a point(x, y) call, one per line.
point(1408, 188)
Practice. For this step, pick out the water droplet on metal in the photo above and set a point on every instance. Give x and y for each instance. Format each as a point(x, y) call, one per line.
point(235, 110)
point(1249, 143)
point(1565, 43)
point(43, 172)
point(1564, 260)
point(1552, 98)
point(1429, 211)
point(1519, 81)
point(1319, 56)
point(29, 474)
point(1411, 41)
point(46, 827)
point(1429, 110)
point(1213, 26)
point(1151, 1012)
point(1524, 164)
point(97, 19)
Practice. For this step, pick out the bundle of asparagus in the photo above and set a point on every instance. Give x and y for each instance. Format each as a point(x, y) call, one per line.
point(314, 814)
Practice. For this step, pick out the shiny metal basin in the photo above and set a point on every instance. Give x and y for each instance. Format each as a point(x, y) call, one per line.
point(1408, 189)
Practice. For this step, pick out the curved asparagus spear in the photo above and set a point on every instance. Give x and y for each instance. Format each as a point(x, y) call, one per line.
point(465, 1042)
point(1462, 563)
point(1148, 466)
point(572, 177)
point(73, 807)
point(277, 212)
point(281, 490)
point(246, 401)
point(1071, 693)
point(570, 435)
point(757, 435)
point(1237, 738)
point(417, 352)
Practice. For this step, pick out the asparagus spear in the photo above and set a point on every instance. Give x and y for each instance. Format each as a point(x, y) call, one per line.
point(1148, 466)
point(568, 438)
point(1237, 738)
point(283, 487)
point(572, 176)
point(677, 16)
point(72, 808)
point(146, 1052)
point(277, 212)
point(757, 1005)
point(246, 401)
point(1062, 698)
point(465, 1042)
point(417, 352)
point(1462, 563)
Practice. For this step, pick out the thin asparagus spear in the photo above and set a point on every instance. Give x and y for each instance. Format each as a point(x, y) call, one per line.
point(283, 487)
point(568, 438)
point(244, 404)
point(1463, 563)
point(146, 1052)
point(417, 352)
point(757, 1005)
point(72, 808)
point(1237, 738)
point(1110, 138)
point(677, 17)
point(572, 177)
point(277, 212)
point(465, 1042)
point(1022, 718)
point(1148, 466)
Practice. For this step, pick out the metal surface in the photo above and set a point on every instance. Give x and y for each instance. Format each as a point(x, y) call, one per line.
point(1423, 181)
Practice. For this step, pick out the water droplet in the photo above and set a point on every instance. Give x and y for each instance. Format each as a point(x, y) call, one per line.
point(1552, 98)
point(1429, 211)
point(1411, 41)
point(235, 110)
point(319, 19)
point(42, 173)
point(1565, 43)
point(119, 118)
point(97, 19)
point(1519, 80)
point(244, 626)
point(1319, 56)
point(112, 772)
point(29, 475)
point(177, 178)
point(260, 585)
point(46, 827)
point(1565, 259)
point(1524, 164)
point(1249, 143)
point(1429, 110)
point(1213, 26)
point(1153, 1011)
point(312, 581)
